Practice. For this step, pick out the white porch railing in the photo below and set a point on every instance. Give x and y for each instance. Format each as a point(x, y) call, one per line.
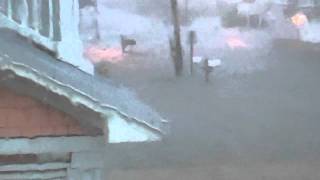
point(53, 24)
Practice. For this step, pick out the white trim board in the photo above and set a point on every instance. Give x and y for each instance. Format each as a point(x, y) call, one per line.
point(34, 175)
point(51, 145)
point(34, 167)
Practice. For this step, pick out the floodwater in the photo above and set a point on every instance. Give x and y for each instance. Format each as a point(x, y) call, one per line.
point(239, 126)
point(257, 118)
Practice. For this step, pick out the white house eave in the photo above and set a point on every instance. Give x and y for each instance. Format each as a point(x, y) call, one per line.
point(121, 131)
point(121, 127)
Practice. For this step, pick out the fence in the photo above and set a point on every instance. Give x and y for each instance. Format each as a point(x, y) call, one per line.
point(53, 24)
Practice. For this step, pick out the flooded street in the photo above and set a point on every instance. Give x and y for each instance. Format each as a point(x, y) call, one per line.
point(262, 125)
point(256, 119)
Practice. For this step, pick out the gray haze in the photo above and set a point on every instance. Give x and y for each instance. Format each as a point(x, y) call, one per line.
point(258, 118)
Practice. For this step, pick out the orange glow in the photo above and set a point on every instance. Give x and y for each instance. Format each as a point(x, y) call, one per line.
point(97, 54)
point(299, 20)
point(236, 42)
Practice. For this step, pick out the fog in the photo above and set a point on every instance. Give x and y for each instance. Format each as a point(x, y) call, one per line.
point(243, 105)
point(260, 107)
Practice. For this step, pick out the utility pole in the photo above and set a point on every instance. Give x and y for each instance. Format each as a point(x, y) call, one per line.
point(192, 41)
point(186, 11)
point(178, 58)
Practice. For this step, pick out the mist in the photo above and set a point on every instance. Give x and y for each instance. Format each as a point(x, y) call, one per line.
point(167, 89)
point(260, 105)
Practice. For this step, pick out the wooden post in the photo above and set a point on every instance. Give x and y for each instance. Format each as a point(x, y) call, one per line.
point(178, 61)
point(207, 69)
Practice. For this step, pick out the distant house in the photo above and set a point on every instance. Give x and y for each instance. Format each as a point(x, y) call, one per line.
point(248, 12)
point(55, 117)
point(301, 3)
point(309, 7)
point(243, 12)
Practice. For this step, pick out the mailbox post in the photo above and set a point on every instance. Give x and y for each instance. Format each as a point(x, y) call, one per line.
point(207, 69)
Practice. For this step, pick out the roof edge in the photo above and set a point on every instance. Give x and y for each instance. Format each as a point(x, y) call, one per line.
point(74, 95)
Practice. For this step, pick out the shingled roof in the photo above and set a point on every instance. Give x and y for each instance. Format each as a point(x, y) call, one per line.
point(92, 92)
